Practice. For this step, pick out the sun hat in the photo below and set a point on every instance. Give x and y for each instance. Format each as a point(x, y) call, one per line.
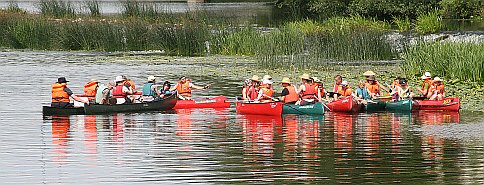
point(369, 73)
point(344, 83)
point(286, 80)
point(94, 80)
point(266, 82)
point(267, 77)
point(426, 75)
point(437, 79)
point(255, 78)
point(119, 79)
point(62, 80)
point(305, 76)
point(316, 79)
point(151, 78)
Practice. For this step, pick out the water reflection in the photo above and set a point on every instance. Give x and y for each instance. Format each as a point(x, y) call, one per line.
point(60, 137)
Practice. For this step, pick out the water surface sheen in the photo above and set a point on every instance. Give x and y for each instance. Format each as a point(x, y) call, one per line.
point(216, 146)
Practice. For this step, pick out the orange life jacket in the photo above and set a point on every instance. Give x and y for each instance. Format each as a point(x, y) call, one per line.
point(310, 91)
point(292, 96)
point(321, 90)
point(253, 93)
point(131, 84)
point(440, 89)
point(336, 88)
point(427, 81)
point(268, 92)
point(118, 92)
point(184, 89)
point(345, 92)
point(373, 88)
point(58, 93)
point(90, 89)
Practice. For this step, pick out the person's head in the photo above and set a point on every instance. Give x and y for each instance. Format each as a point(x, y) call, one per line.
point(426, 76)
point(151, 79)
point(255, 80)
point(125, 77)
point(286, 82)
point(61, 80)
point(111, 84)
point(119, 79)
point(344, 84)
point(437, 81)
point(267, 77)
point(306, 78)
point(94, 80)
point(403, 82)
point(397, 80)
point(247, 82)
point(166, 85)
point(368, 74)
point(267, 83)
point(317, 81)
point(371, 79)
point(361, 84)
point(338, 79)
point(182, 79)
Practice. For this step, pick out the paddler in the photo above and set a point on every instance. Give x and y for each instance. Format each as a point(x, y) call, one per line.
point(288, 94)
point(90, 89)
point(373, 85)
point(184, 88)
point(121, 91)
point(266, 92)
point(254, 88)
point(307, 90)
point(166, 89)
point(336, 86)
point(320, 91)
point(129, 83)
point(103, 93)
point(245, 89)
point(425, 84)
point(403, 90)
point(61, 94)
point(362, 91)
point(150, 90)
point(345, 90)
point(437, 90)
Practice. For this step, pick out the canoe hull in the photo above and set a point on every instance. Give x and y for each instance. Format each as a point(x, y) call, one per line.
point(216, 102)
point(268, 109)
point(162, 105)
point(400, 106)
point(51, 111)
point(347, 104)
point(316, 109)
point(447, 104)
point(375, 106)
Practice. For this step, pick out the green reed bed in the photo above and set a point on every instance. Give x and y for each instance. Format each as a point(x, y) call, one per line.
point(93, 7)
point(57, 8)
point(453, 61)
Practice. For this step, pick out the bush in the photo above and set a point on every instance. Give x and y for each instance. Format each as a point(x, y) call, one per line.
point(428, 23)
point(387, 9)
point(458, 9)
point(403, 25)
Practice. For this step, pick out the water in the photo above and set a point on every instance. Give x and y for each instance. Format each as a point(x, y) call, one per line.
point(215, 146)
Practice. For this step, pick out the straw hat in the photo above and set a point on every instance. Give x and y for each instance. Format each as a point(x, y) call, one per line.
point(94, 80)
point(267, 77)
point(426, 75)
point(255, 78)
point(316, 79)
point(437, 79)
point(119, 79)
point(286, 80)
point(369, 73)
point(306, 76)
point(266, 82)
point(344, 83)
point(151, 78)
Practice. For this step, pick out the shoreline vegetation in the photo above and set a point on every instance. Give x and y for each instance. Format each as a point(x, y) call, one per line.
point(310, 42)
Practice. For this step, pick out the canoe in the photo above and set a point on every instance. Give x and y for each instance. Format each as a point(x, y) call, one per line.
point(447, 104)
point(316, 108)
point(161, 105)
point(401, 106)
point(50, 111)
point(259, 108)
point(374, 106)
point(215, 102)
point(347, 104)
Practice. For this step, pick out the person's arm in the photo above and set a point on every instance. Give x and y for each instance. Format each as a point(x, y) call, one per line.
point(383, 87)
point(174, 87)
point(198, 87)
point(301, 89)
point(244, 93)
point(127, 90)
point(284, 93)
point(261, 93)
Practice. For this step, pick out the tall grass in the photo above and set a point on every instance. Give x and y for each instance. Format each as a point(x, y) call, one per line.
point(464, 61)
point(428, 23)
point(93, 7)
point(14, 8)
point(403, 24)
point(134, 8)
point(57, 8)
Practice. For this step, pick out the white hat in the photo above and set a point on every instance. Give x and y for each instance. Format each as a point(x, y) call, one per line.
point(267, 77)
point(426, 75)
point(344, 83)
point(151, 78)
point(437, 79)
point(266, 82)
point(119, 79)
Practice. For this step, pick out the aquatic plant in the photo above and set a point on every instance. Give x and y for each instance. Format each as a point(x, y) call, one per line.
point(57, 8)
point(93, 7)
point(403, 24)
point(428, 23)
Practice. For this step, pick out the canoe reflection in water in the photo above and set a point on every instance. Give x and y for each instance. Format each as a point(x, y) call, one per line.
point(60, 137)
point(301, 136)
point(259, 135)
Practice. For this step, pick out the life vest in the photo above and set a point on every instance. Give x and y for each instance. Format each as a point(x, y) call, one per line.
point(429, 82)
point(373, 88)
point(440, 89)
point(268, 93)
point(147, 91)
point(310, 91)
point(253, 93)
point(320, 90)
point(118, 92)
point(58, 93)
point(90, 89)
point(130, 83)
point(345, 92)
point(336, 88)
point(184, 89)
point(292, 96)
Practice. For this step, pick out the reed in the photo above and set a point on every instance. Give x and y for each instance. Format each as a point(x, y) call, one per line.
point(57, 8)
point(463, 61)
point(93, 7)
point(403, 24)
point(428, 23)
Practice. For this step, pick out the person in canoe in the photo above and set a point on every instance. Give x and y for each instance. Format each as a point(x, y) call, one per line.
point(427, 82)
point(307, 90)
point(345, 90)
point(103, 93)
point(61, 94)
point(90, 89)
point(184, 88)
point(166, 89)
point(402, 91)
point(266, 92)
point(437, 90)
point(336, 86)
point(362, 93)
point(320, 91)
point(129, 83)
point(150, 90)
point(373, 85)
point(254, 88)
point(245, 89)
point(121, 91)
point(288, 94)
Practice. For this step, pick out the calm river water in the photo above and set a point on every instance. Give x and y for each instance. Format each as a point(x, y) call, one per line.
point(216, 146)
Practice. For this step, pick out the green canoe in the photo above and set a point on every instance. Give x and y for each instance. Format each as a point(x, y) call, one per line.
point(374, 106)
point(402, 105)
point(316, 108)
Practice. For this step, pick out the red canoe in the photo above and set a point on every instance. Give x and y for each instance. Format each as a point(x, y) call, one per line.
point(269, 108)
point(215, 102)
point(447, 104)
point(347, 104)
